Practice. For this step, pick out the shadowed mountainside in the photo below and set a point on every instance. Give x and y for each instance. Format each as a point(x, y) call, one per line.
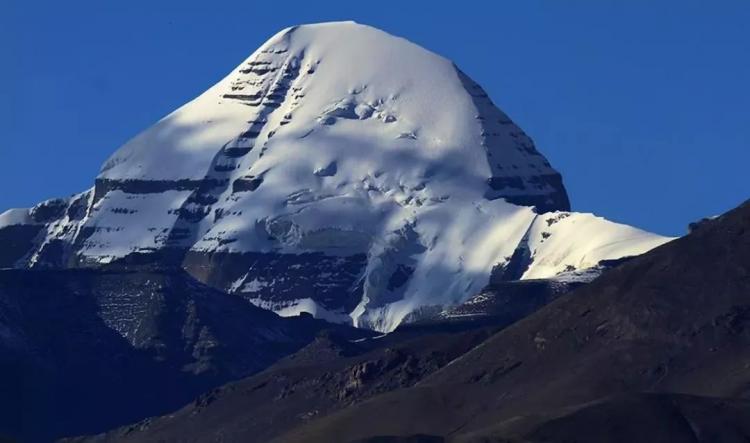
point(141, 343)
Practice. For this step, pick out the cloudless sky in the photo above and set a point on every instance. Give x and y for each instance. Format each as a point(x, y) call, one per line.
point(644, 106)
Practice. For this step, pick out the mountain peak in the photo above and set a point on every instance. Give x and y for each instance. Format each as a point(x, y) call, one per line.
point(338, 170)
point(332, 80)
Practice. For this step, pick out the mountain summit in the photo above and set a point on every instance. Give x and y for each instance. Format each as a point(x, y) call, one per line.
point(316, 95)
point(338, 170)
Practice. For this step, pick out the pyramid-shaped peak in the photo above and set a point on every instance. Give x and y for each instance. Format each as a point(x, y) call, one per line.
point(307, 78)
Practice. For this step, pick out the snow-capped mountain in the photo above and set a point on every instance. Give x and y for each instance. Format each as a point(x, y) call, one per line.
point(338, 170)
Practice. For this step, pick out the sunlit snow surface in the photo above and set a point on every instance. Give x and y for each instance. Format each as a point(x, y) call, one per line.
point(339, 138)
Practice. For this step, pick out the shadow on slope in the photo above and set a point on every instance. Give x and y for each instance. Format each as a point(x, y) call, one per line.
point(83, 350)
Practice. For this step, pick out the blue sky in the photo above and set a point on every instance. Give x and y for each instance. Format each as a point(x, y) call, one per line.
point(643, 106)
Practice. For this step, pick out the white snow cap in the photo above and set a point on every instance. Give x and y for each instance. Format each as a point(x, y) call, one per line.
point(342, 91)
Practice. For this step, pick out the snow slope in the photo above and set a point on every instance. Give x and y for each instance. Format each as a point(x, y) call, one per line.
point(338, 170)
point(564, 241)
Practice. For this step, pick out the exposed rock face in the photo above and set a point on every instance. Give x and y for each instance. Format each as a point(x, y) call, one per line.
point(339, 171)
